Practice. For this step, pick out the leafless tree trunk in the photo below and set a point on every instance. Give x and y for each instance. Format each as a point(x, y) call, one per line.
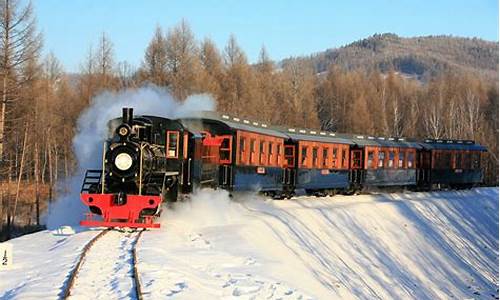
point(18, 188)
point(472, 113)
point(37, 183)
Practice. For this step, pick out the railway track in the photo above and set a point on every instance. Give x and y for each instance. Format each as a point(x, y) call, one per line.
point(128, 256)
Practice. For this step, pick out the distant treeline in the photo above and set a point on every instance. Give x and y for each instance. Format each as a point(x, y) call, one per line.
point(41, 102)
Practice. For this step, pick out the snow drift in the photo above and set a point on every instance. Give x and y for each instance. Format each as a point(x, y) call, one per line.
point(405, 245)
point(438, 245)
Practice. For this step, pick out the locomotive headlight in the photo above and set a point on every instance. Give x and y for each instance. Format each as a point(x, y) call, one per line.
point(123, 161)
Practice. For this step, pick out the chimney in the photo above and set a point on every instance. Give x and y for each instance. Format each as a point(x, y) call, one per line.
point(127, 115)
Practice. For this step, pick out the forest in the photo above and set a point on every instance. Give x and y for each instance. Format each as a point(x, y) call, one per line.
point(41, 102)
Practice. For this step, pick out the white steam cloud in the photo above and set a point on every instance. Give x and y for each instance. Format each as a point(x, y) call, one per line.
point(92, 131)
point(208, 207)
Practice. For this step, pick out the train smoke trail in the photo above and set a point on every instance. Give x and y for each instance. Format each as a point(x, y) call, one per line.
point(92, 131)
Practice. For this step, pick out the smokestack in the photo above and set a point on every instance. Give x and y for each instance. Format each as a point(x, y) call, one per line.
point(127, 115)
point(130, 116)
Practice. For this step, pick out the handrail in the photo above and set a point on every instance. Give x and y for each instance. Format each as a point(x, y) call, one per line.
point(103, 175)
point(140, 169)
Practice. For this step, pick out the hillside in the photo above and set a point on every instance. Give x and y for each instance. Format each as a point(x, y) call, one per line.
point(439, 245)
point(419, 57)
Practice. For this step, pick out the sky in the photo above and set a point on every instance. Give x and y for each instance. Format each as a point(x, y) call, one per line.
point(285, 28)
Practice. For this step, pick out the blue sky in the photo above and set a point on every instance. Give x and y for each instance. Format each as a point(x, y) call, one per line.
point(286, 28)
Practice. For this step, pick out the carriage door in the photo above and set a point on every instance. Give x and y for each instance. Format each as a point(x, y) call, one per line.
point(356, 165)
point(187, 162)
point(289, 167)
point(225, 161)
point(424, 167)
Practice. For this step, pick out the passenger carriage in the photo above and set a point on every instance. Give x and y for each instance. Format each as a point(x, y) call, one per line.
point(453, 163)
point(382, 162)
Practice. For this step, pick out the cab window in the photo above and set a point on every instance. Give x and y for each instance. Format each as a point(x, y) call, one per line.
point(172, 144)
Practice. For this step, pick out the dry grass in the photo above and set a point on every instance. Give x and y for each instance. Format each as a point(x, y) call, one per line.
point(26, 205)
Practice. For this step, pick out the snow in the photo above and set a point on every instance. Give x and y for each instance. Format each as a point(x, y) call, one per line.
point(402, 245)
point(106, 272)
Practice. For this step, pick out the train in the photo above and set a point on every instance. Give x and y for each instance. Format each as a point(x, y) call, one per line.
point(149, 160)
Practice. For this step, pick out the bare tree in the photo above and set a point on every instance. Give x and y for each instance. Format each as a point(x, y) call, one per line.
point(19, 42)
point(155, 59)
point(233, 55)
point(182, 60)
point(105, 61)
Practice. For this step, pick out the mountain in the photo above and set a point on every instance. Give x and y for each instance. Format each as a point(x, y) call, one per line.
point(420, 57)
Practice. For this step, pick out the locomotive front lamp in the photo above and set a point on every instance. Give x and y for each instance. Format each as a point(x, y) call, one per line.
point(123, 161)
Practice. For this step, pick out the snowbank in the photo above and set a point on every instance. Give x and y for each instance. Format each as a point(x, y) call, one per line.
point(415, 245)
point(404, 245)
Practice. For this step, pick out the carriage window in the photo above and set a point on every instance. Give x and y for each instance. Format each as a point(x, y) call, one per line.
point(401, 158)
point(252, 151)
point(476, 160)
point(172, 144)
point(325, 157)
point(289, 156)
point(437, 160)
point(390, 162)
point(381, 158)
point(261, 152)
point(344, 158)
point(467, 160)
point(304, 156)
point(334, 156)
point(370, 160)
point(278, 154)
point(411, 159)
point(458, 160)
point(447, 160)
point(242, 149)
point(315, 157)
point(270, 154)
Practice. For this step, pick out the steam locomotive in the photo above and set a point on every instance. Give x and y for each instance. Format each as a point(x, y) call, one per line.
point(148, 160)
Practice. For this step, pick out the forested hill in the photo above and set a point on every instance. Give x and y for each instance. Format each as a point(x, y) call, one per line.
point(419, 57)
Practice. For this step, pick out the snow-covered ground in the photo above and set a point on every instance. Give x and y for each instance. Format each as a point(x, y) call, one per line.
point(406, 245)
